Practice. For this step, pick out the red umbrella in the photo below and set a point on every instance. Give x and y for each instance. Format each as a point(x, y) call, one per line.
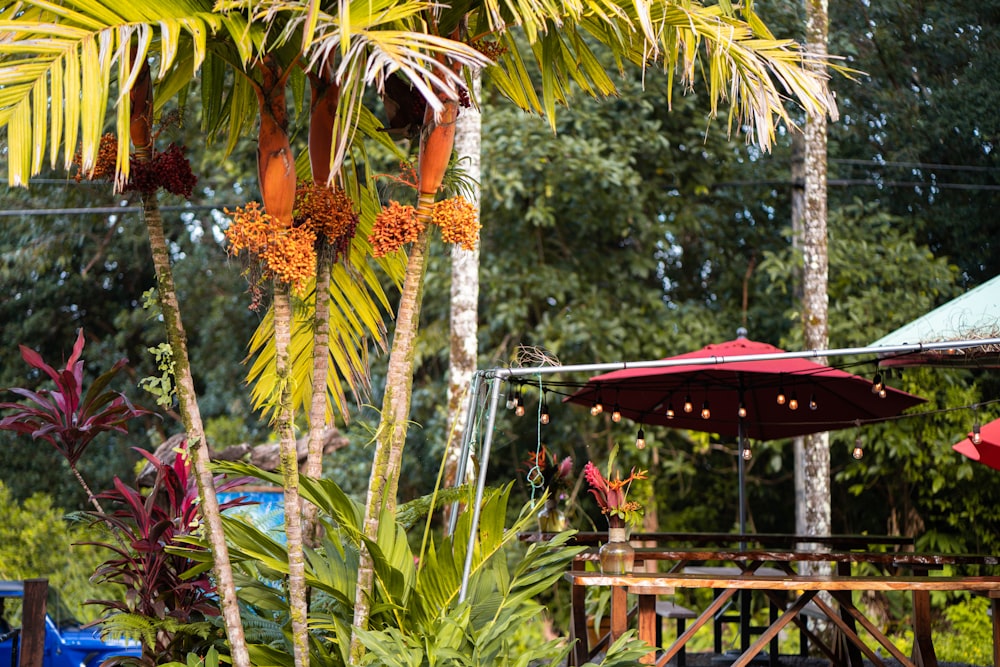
point(763, 399)
point(988, 449)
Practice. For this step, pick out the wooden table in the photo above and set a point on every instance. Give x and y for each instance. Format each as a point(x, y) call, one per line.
point(804, 587)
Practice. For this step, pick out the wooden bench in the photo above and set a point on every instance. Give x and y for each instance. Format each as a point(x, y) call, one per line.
point(671, 610)
point(805, 587)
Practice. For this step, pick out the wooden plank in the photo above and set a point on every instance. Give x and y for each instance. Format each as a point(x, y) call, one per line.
point(850, 633)
point(33, 622)
point(773, 630)
point(846, 603)
point(580, 654)
point(798, 582)
point(923, 648)
point(706, 616)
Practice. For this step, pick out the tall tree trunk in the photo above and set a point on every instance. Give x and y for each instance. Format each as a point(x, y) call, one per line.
point(437, 139)
point(323, 109)
point(815, 269)
point(198, 448)
point(140, 131)
point(276, 173)
point(290, 474)
point(464, 296)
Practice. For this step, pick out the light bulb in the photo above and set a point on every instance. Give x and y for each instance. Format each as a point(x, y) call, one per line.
point(511, 400)
point(640, 440)
point(596, 408)
point(977, 437)
point(688, 406)
point(544, 417)
point(519, 410)
point(747, 454)
point(793, 402)
point(858, 452)
point(705, 412)
point(781, 397)
point(877, 385)
point(670, 411)
point(812, 402)
point(616, 416)
point(742, 412)
point(882, 392)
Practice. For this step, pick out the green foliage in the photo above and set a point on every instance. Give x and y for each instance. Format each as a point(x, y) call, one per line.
point(36, 540)
point(161, 386)
point(417, 615)
point(967, 633)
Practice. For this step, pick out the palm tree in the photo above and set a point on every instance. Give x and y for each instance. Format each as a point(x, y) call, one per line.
point(77, 52)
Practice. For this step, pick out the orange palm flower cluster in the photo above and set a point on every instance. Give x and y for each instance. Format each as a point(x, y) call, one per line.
point(104, 164)
point(395, 226)
point(328, 212)
point(287, 254)
point(457, 219)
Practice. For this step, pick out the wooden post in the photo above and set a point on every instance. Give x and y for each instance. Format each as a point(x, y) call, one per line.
point(33, 622)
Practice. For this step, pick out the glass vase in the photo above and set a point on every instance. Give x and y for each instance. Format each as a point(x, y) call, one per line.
point(551, 518)
point(617, 556)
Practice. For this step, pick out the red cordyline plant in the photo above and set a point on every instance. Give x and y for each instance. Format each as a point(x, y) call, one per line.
point(611, 493)
point(66, 417)
point(149, 560)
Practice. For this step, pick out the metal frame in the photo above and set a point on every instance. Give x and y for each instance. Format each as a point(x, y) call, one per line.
point(493, 377)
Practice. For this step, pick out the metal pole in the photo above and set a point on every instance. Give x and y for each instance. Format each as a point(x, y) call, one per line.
point(883, 350)
point(467, 439)
point(494, 397)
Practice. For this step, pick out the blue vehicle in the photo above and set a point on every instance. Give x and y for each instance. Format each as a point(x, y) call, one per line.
point(67, 644)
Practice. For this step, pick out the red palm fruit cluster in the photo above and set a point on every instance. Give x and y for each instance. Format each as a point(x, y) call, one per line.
point(104, 165)
point(457, 219)
point(287, 254)
point(395, 226)
point(169, 170)
point(329, 213)
point(489, 48)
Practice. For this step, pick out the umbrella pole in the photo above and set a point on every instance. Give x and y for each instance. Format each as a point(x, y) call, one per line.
point(741, 477)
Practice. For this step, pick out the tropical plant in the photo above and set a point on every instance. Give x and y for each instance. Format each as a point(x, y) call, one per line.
point(66, 417)
point(611, 492)
point(419, 613)
point(162, 605)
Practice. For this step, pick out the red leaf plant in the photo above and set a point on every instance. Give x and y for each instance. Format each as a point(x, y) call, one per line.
point(66, 417)
point(150, 559)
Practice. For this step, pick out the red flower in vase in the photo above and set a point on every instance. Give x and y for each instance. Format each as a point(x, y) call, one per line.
point(611, 493)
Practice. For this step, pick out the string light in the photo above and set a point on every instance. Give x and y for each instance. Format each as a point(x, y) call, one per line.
point(616, 414)
point(878, 387)
point(519, 408)
point(977, 437)
point(781, 395)
point(670, 410)
point(511, 398)
point(747, 454)
point(596, 408)
point(705, 412)
point(858, 452)
point(812, 402)
point(688, 406)
point(793, 402)
point(543, 416)
point(742, 411)
point(640, 440)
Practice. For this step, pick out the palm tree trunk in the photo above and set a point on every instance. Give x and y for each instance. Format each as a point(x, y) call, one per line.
point(437, 139)
point(290, 474)
point(322, 112)
point(190, 414)
point(140, 131)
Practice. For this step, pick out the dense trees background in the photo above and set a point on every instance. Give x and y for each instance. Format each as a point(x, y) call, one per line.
point(634, 232)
